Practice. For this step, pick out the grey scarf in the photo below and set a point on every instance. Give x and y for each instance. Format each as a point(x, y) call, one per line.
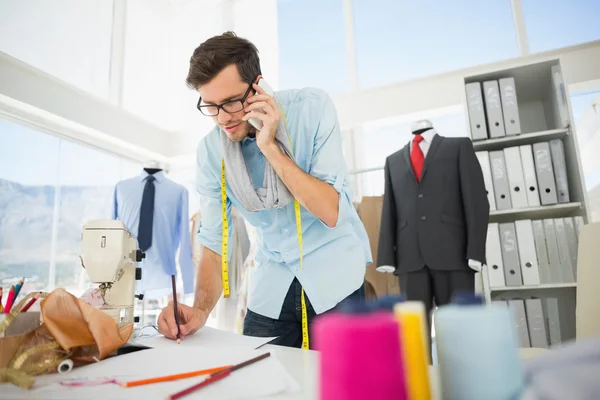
point(273, 194)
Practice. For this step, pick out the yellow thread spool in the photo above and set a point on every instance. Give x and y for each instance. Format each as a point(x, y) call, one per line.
point(413, 328)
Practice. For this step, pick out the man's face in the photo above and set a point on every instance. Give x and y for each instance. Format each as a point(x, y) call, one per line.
point(225, 87)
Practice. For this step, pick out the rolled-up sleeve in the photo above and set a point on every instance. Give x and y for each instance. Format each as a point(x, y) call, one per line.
point(208, 185)
point(328, 164)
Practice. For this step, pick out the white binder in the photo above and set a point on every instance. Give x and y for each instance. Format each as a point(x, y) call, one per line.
point(527, 254)
point(552, 316)
point(545, 173)
point(500, 180)
point(476, 111)
point(484, 161)
point(559, 164)
point(510, 106)
point(516, 181)
point(493, 254)
point(572, 243)
point(541, 251)
point(531, 185)
point(563, 251)
point(552, 247)
point(493, 107)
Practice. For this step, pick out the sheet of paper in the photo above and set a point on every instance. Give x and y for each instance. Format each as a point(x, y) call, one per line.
point(208, 338)
point(265, 378)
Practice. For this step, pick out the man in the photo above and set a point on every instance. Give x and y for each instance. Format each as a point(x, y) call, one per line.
point(262, 181)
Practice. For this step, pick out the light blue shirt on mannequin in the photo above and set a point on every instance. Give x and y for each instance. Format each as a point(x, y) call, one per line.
point(334, 258)
point(170, 230)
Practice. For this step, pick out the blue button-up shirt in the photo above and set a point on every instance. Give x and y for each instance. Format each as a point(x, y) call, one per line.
point(170, 230)
point(334, 258)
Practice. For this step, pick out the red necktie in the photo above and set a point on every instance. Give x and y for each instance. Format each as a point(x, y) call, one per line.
point(416, 157)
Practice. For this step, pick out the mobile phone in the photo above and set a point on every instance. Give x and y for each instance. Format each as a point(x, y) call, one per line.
point(255, 122)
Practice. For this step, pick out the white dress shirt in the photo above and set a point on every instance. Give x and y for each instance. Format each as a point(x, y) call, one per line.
point(428, 136)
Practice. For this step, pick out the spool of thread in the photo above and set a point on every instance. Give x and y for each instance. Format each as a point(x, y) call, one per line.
point(413, 329)
point(65, 366)
point(360, 356)
point(388, 303)
point(477, 352)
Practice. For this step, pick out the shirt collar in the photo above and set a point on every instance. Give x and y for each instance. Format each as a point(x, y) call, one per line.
point(428, 135)
point(160, 176)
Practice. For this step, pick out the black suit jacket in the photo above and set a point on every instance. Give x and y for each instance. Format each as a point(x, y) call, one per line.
point(440, 222)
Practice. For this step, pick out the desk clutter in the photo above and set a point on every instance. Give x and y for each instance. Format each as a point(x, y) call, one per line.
point(477, 348)
point(387, 338)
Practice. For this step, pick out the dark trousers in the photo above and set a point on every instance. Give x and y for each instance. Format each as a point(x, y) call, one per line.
point(288, 327)
point(435, 288)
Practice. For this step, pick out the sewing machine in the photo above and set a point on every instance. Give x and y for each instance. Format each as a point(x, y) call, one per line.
point(109, 256)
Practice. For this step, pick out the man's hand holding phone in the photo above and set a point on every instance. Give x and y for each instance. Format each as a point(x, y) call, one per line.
point(263, 109)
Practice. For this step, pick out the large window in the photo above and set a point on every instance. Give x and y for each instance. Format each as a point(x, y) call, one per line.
point(559, 23)
point(312, 45)
point(586, 112)
point(160, 39)
point(397, 40)
point(28, 179)
point(379, 139)
point(49, 188)
point(70, 39)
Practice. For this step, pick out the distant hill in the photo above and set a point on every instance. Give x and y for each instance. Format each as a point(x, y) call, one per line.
point(27, 221)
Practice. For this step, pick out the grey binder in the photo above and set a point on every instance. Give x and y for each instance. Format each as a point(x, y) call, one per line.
point(572, 243)
point(484, 160)
point(500, 180)
point(517, 308)
point(527, 254)
point(541, 251)
point(536, 323)
point(552, 247)
point(493, 108)
point(476, 111)
point(578, 225)
point(561, 97)
point(563, 250)
point(552, 317)
point(545, 173)
point(510, 254)
point(559, 164)
point(510, 106)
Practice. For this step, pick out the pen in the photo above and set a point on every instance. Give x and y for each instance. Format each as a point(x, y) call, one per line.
point(175, 309)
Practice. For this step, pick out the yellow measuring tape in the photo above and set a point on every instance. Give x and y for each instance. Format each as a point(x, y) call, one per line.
point(225, 244)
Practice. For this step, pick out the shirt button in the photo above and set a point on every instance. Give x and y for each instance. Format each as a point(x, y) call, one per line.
point(420, 195)
point(285, 231)
point(423, 218)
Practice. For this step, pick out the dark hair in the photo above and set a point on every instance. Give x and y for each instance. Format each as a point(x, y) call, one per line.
point(218, 52)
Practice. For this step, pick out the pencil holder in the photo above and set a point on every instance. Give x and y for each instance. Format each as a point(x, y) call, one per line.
point(21, 324)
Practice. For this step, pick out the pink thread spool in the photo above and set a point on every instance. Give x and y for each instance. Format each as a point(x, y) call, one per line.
point(360, 357)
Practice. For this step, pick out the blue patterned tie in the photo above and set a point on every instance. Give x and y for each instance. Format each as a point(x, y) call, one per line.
point(146, 215)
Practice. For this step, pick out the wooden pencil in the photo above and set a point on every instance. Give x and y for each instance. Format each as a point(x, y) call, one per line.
point(216, 377)
point(1, 306)
point(174, 377)
point(175, 309)
point(9, 299)
point(31, 301)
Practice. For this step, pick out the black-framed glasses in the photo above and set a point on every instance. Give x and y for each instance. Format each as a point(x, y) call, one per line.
point(230, 107)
